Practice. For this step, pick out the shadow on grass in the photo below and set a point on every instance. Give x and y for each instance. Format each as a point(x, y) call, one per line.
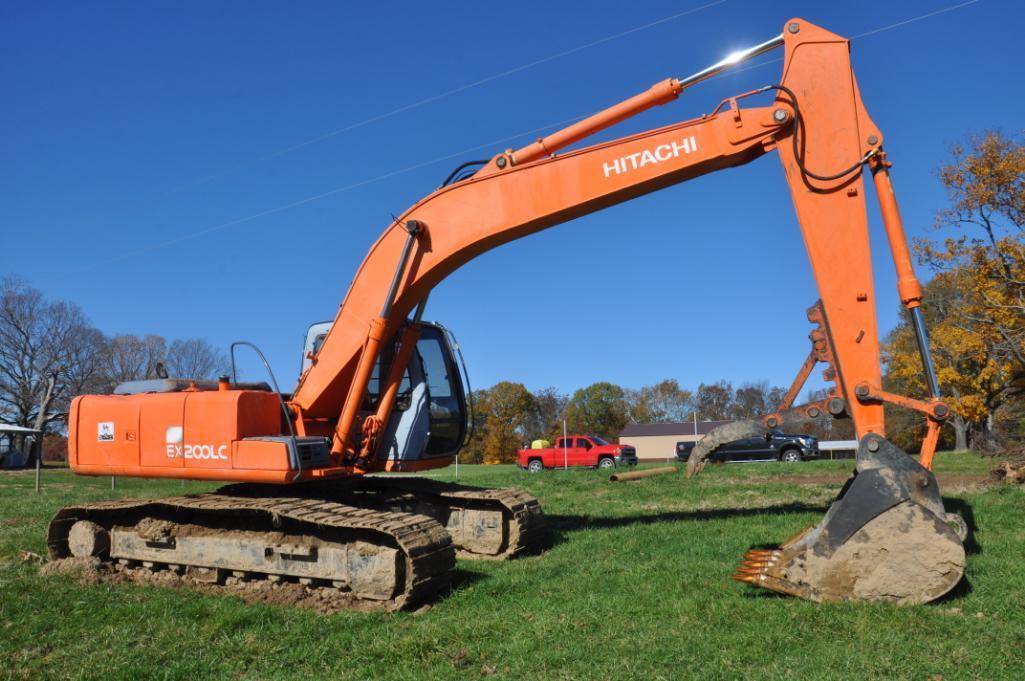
point(463, 578)
point(971, 547)
point(964, 509)
point(562, 525)
point(963, 588)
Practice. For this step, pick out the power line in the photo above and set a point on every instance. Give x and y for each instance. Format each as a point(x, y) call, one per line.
point(874, 31)
point(456, 90)
point(330, 192)
point(361, 183)
point(914, 19)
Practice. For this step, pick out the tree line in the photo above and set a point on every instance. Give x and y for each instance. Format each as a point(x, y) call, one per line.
point(508, 415)
point(50, 352)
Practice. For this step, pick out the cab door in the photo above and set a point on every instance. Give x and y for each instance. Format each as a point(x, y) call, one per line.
point(430, 415)
point(764, 449)
point(565, 453)
point(582, 455)
point(448, 410)
point(747, 449)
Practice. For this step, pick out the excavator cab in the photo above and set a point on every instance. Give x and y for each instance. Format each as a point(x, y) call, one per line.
point(430, 417)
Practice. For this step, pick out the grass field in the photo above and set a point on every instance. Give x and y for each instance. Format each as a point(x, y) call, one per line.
point(635, 586)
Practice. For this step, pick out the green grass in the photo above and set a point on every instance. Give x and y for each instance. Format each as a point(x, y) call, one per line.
point(636, 586)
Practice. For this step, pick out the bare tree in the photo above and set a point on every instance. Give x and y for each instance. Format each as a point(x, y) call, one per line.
point(663, 402)
point(749, 401)
point(44, 346)
point(85, 371)
point(550, 406)
point(195, 358)
point(776, 395)
point(130, 358)
point(712, 401)
point(756, 399)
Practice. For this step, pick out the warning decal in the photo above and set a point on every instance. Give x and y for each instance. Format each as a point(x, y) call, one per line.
point(105, 431)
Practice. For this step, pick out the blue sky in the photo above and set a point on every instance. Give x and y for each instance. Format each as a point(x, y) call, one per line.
point(134, 133)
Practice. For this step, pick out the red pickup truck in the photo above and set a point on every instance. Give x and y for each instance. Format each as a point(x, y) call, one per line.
point(577, 450)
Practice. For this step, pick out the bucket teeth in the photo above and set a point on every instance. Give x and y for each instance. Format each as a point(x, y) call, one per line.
point(757, 561)
point(748, 578)
point(756, 565)
point(756, 569)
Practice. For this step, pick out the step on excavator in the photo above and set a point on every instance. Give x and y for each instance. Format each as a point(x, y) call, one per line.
point(382, 391)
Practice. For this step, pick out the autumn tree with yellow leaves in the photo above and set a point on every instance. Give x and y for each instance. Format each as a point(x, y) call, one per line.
point(972, 377)
point(976, 302)
point(503, 415)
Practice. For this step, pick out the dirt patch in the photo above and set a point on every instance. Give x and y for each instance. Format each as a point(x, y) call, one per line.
point(963, 482)
point(822, 479)
point(324, 600)
point(86, 570)
point(1011, 473)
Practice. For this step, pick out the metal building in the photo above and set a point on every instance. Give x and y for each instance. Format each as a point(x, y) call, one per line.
point(657, 441)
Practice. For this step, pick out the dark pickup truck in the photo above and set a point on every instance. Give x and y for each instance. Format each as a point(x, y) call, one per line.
point(775, 445)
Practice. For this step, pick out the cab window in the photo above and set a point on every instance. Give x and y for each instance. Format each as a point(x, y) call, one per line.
point(318, 343)
point(435, 367)
point(374, 388)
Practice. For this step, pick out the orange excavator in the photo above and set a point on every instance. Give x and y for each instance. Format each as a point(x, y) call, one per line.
point(382, 390)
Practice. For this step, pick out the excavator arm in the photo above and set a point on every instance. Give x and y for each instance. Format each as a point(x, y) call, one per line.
point(823, 135)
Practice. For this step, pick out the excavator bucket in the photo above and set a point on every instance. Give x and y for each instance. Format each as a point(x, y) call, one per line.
point(886, 538)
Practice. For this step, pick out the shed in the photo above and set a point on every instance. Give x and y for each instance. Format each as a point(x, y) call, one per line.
point(657, 441)
point(13, 452)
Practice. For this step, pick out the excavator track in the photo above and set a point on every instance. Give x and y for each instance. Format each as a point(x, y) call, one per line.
point(392, 560)
point(484, 523)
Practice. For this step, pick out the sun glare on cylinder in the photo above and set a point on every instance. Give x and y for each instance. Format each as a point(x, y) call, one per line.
point(734, 57)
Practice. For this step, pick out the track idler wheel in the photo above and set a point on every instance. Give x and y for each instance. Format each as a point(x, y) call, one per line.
point(885, 538)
